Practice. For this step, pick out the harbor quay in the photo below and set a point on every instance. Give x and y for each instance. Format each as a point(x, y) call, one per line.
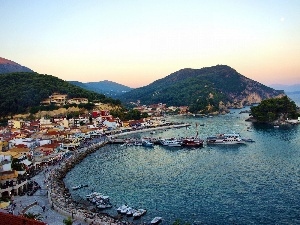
point(59, 196)
point(55, 203)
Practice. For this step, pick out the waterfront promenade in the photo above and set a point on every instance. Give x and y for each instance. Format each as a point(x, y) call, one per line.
point(53, 201)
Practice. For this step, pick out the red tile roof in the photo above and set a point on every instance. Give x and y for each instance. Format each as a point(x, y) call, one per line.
point(18, 220)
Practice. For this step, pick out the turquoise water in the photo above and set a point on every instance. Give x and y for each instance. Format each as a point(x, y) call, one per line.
point(256, 183)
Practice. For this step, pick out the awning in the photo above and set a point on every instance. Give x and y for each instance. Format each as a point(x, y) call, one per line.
point(26, 162)
point(4, 205)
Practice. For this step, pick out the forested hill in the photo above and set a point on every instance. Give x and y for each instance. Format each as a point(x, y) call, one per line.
point(21, 91)
point(109, 88)
point(8, 66)
point(206, 89)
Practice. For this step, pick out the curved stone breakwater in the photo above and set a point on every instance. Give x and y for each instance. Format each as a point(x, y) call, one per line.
point(59, 197)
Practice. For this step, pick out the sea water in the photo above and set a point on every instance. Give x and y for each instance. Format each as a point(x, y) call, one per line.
point(255, 183)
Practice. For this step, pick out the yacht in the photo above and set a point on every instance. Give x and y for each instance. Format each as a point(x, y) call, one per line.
point(230, 138)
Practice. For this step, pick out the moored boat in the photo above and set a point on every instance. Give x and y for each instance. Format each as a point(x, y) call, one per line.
point(122, 208)
point(156, 220)
point(230, 138)
point(171, 142)
point(147, 143)
point(79, 186)
point(130, 211)
point(192, 142)
point(138, 213)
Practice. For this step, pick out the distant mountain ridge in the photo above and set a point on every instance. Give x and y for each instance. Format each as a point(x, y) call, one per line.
point(108, 88)
point(286, 88)
point(208, 89)
point(8, 66)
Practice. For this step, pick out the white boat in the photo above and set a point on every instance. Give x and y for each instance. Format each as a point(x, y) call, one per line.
point(231, 138)
point(147, 143)
point(122, 208)
point(171, 142)
point(79, 186)
point(248, 140)
point(138, 143)
point(130, 211)
point(138, 213)
point(156, 220)
point(104, 205)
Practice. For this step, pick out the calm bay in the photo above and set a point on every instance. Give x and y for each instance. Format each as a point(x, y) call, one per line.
point(255, 183)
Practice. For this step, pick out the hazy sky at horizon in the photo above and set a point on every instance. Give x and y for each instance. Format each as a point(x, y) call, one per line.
point(137, 42)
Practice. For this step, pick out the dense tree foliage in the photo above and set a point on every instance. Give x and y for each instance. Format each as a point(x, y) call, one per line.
point(273, 109)
point(23, 92)
point(199, 88)
point(16, 165)
point(34, 216)
point(131, 114)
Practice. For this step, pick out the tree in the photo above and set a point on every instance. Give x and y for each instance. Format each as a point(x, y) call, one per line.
point(68, 221)
point(16, 165)
point(33, 216)
point(273, 109)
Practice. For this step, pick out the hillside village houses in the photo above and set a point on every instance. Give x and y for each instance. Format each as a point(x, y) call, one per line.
point(27, 146)
point(62, 99)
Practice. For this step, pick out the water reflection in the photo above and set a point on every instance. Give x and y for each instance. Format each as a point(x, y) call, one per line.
point(216, 184)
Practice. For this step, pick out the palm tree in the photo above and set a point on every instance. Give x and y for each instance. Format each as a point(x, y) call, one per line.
point(68, 221)
point(33, 216)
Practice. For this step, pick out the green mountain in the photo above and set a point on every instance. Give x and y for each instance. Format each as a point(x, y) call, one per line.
point(109, 88)
point(21, 91)
point(215, 88)
point(8, 66)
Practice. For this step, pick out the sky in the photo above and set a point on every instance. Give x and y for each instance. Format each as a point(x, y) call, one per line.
point(135, 42)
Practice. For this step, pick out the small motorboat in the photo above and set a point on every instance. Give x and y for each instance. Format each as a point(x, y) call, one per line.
point(248, 140)
point(138, 213)
point(122, 208)
point(156, 220)
point(147, 143)
point(130, 211)
point(79, 186)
